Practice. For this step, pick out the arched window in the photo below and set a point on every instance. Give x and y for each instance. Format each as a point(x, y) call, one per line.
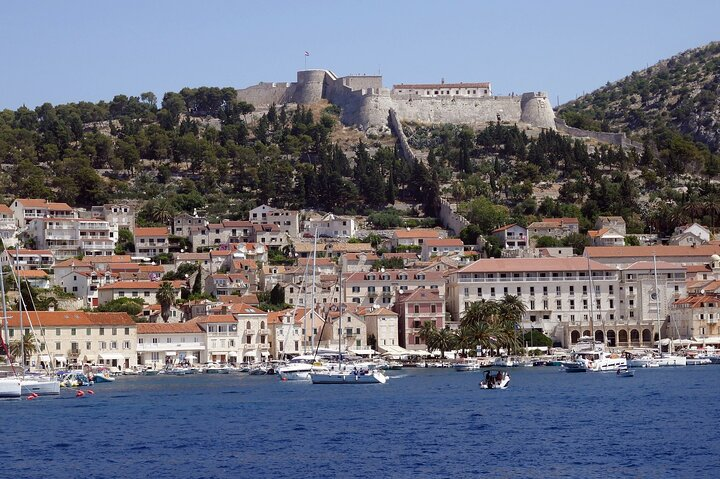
point(646, 335)
point(599, 335)
point(574, 336)
point(611, 338)
point(262, 324)
point(622, 336)
point(248, 325)
point(635, 336)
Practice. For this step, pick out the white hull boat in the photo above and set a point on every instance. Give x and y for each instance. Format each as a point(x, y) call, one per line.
point(299, 371)
point(42, 386)
point(349, 377)
point(463, 367)
point(672, 360)
point(643, 362)
point(10, 388)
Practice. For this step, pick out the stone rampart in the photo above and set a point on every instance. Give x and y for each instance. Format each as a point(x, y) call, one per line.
point(264, 94)
point(536, 110)
point(450, 218)
point(310, 86)
point(617, 139)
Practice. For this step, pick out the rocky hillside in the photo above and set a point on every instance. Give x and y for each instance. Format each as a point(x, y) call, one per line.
point(681, 94)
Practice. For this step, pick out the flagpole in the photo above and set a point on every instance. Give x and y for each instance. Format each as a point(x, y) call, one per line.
point(305, 56)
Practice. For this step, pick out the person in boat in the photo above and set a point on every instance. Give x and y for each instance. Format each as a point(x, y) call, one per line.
point(499, 376)
point(487, 377)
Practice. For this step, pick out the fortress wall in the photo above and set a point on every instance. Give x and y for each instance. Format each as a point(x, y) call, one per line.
point(617, 139)
point(362, 82)
point(537, 111)
point(310, 87)
point(403, 146)
point(471, 111)
point(267, 93)
point(451, 219)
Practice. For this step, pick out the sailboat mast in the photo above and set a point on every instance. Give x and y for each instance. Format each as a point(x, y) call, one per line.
point(312, 293)
point(592, 301)
point(6, 332)
point(20, 312)
point(592, 313)
point(657, 304)
point(340, 320)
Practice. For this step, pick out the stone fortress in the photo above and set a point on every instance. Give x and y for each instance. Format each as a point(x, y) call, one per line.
point(366, 104)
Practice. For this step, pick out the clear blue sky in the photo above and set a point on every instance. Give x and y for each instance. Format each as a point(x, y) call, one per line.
point(61, 52)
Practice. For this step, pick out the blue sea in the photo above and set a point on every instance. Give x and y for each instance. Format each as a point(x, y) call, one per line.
point(424, 423)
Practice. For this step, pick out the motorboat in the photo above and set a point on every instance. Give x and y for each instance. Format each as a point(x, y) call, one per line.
point(299, 368)
point(697, 361)
point(595, 357)
point(10, 387)
point(75, 379)
point(666, 359)
point(495, 380)
point(642, 361)
point(574, 367)
point(625, 373)
point(214, 368)
point(505, 362)
point(354, 376)
point(101, 375)
point(467, 366)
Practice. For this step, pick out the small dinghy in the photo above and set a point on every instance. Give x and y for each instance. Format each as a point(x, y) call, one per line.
point(625, 373)
point(495, 380)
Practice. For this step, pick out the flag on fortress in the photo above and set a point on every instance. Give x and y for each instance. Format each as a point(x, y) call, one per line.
point(307, 54)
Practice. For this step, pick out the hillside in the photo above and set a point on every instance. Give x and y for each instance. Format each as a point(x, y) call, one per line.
point(681, 94)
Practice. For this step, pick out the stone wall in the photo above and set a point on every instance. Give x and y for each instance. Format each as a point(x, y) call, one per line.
point(617, 139)
point(450, 218)
point(264, 94)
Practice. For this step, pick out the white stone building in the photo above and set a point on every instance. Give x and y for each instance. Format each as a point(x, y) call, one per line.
point(151, 242)
point(288, 221)
point(68, 237)
point(165, 344)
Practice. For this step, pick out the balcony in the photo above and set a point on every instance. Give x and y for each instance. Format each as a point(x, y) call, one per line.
point(264, 332)
point(264, 346)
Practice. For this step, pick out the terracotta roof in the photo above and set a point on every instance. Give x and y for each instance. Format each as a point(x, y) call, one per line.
point(5, 209)
point(419, 294)
point(318, 261)
point(30, 252)
point(380, 312)
point(141, 284)
point(356, 256)
point(430, 86)
point(242, 308)
point(649, 251)
point(416, 233)
point(32, 273)
point(70, 318)
point(308, 247)
point(120, 258)
point(215, 318)
point(275, 317)
point(236, 224)
point(41, 203)
point(698, 301)
point(400, 255)
point(394, 273)
point(191, 256)
point(521, 265)
point(445, 242)
point(649, 266)
point(154, 231)
point(73, 262)
point(168, 328)
point(350, 247)
point(695, 268)
point(506, 227)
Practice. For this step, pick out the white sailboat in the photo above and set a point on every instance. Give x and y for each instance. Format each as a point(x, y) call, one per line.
point(347, 373)
point(9, 386)
point(669, 358)
point(39, 384)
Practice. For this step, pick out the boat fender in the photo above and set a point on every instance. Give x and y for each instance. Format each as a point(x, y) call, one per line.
point(79, 394)
point(31, 397)
point(35, 395)
point(90, 391)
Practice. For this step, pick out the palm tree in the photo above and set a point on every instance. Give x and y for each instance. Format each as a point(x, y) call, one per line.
point(428, 331)
point(166, 297)
point(27, 344)
point(465, 339)
point(512, 310)
point(482, 311)
point(161, 211)
point(444, 340)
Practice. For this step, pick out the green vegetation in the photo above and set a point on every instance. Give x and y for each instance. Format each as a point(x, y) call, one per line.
point(131, 306)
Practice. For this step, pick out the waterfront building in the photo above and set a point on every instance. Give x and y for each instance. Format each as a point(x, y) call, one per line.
point(164, 344)
point(624, 256)
point(76, 337)
point(381, 324)
point(696, 316)
point(414, 308)
point(286, 333)
point(382, 287)
point(344, 331)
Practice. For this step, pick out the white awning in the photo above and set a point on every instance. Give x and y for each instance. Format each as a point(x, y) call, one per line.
point(111, 356)
point(170, 353)
point(249, 354)
point(190, 357)
point(363, 352)
point(61, 358)
point(394, 350)
point(265, 354)
point(232, 354)
point(44, 357)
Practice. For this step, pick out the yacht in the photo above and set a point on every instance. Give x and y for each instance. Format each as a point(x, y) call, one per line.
point(10, 387)
point(299, 368)
point(40, 385)
point(594, 356)
point(347, 376)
